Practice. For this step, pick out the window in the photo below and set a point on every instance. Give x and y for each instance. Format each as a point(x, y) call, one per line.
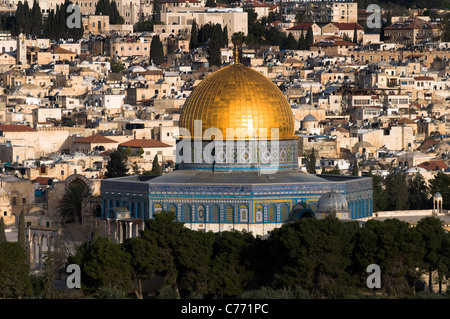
point(186, 213)
point(173, 208)
point(214, 214)
point(14, 201)
point(271, 216)
point(243, 213)
point(259, 213)
point(24, 200)
point(157, 208)
point(229, 214)
point(284, 213)
point(201, 213)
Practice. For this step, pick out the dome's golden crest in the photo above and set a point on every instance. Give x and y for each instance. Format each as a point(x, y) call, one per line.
point(238, 97)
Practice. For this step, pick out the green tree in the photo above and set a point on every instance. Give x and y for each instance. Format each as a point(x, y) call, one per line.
point(210, 4)
point(355, 170)
point(70, 207)
point(432, 235)
point(302, 42)
point(315, 255)
point(156, 9)
point(396, 190)
point(194, 35)
point(109, 8)
point(379, 194)
point(116, 66)
point(14, 271)
point(21, 230)
point(2, 231)
point(311, 162)
point(418, 193)
point(291, 43)
point(213, 52)
point(104, 264)
point(36, 17)
point(117, 164)
point(395, 248)
point(156, 168)
point(309, 39)
point(441, 183)
point(156, 51)
point(355, 34)
point(335, 171)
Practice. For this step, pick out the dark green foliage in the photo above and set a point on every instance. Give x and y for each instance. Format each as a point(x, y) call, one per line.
point(291, 43)
point(116, 66)
point(117, 164)
point(156, 168)
point(210, 4)
point(379, 197)
point(396, 192)
point(194, 36)
point(335, 171)
point(2, 231)
point(395, 248)
point(21, 230)
point(433, 241)
point(70, 206)
point(355, 170)
point(104, 264)
point(355, 34)
point(156, 9)
point(315, 254)
point(445, 29)
point(213, 51)
point(107, 8)
point(156, 51)
point(311, 162)
point(441, 183)
point(146, 25)
point(302, 42)
point(55, 26)
point(309, 37)
point(14, 271)
point(418, 193)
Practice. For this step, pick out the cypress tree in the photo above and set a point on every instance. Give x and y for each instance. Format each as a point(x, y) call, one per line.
point(21, 229)
point(36, 15)
point(213, 51)
point(156, 168)
point(355, 34)
point(301, 42)
point(194, 35)
point(156, 9)
point(2, 231)
point(156, 51)
point(355, 171)
point(291, 44)
point(309, 37)
point(225, 37)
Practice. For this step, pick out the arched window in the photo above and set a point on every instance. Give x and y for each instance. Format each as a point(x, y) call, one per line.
point(243, 213)
point(157, 208)
point(201, 213)
point(186, 213)
point(259, 213)
point(173, 208)
point(284, 213)
point(229, 214)
point(214, 214)
point(272, 214)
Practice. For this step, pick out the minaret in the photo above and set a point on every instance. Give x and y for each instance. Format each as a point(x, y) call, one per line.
point(21, 52)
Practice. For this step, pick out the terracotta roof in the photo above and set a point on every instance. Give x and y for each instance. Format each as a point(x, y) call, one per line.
point(423, 78)
point(433, 165)
point(347, 26)
point(43, 180)
point(16, 128)
point(95, 139)
point(144, 143)
point(59, 50)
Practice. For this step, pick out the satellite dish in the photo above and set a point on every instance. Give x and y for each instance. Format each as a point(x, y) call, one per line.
point(358, 155)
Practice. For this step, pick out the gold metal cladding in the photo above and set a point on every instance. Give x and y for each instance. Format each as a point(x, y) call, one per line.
point(239, 98)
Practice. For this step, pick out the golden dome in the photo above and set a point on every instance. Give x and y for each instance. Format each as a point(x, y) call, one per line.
point(238, 97)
